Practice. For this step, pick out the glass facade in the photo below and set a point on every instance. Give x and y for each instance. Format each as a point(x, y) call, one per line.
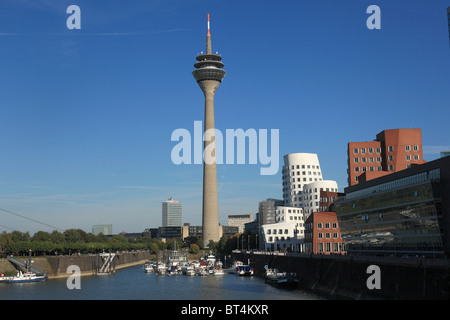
point(396, 217)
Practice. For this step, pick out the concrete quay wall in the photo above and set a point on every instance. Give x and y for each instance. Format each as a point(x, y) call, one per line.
point(89, 264)
point(346, 277)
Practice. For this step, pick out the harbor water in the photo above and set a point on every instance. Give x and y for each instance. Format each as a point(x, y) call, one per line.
point(133, 283)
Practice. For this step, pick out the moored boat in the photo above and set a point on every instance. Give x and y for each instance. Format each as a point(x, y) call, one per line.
point(148, 267)
point(244, 270)
point(26, 277)
point(274, 276)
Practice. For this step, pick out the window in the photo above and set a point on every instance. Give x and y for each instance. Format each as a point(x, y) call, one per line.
point(370, 150)
point(378, 150)
point(416, 148)
point(391, 158)
point(363, 159)
point(335, 247)
point(356, 160)
point(371, 159)
point(335, 235)
point(390, 148)
point(328, 246)
point(416, 157)
point(334, 225)
point(319, 225)
point(327, 225)
point(378, 159)
point(363, 150)
point(356, 169)
point(408, 157)
point(355, 150)
point(320, 247)
point(320, 235)
point(407, 148)
point(391, 167)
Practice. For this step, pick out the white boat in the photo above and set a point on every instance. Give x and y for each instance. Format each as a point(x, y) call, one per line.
point(190, 272)
point(218, 272)
point(161, 268)
point(27, 277)
point(210, 260)
point(202, 272)
point(244, 270)
point(148, 267)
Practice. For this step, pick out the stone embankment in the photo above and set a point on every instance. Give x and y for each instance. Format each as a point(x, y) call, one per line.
point(57, 266)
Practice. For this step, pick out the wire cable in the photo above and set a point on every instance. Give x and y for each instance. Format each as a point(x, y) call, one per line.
point(43, 223)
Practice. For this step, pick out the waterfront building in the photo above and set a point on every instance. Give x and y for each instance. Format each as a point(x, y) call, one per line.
point(327, 198)
point(266, 215)
point(106, 229)
point(209, 74)
point(299, 169)
point(403, 213)
point(239, 220)
point(311, 194)
point(172, 213)
point(392, 151)
point(303, 181)
point(287, 233)
point(322, 234)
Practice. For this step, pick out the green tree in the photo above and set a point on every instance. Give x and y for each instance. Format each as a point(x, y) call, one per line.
point(194, 248)
point(41, 236)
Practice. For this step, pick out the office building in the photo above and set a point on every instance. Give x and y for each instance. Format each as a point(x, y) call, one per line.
point(287, 232)
point(403, 213)
point(209, 74)
point(322, 234)
point(172, 213)
point(392, 151)
point(239, 220)
point(299, 169)
point(303, 181)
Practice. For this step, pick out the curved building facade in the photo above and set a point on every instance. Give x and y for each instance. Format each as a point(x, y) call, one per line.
point(299, 170)
point(311, 194)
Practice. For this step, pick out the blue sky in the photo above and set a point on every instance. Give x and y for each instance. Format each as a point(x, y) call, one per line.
point(86, 116)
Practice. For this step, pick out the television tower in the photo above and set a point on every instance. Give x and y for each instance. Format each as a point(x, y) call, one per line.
point(209, 74)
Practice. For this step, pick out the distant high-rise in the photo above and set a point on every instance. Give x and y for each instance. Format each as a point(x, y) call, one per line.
point(172, 213)
point(209, 74)
point(106, 229)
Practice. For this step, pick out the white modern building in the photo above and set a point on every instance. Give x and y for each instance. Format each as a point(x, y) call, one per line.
point(299, 169)
point(172, 213)
point(288, 231)
point(303, 181)
point(311, 195)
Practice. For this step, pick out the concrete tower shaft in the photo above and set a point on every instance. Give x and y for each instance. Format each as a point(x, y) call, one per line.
point(209, 74)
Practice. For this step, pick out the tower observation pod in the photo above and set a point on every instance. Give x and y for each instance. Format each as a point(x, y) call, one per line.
point(209, 74)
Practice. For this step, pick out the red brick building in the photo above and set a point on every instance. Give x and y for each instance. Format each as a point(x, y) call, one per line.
point(327, 198)
point(322, 234)
point(393, 150)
